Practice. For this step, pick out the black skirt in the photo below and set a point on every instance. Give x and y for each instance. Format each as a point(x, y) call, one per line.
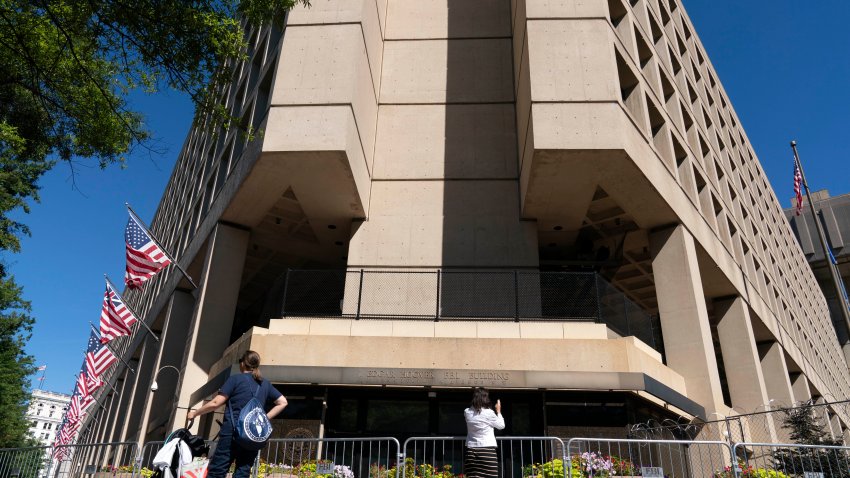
point(481, 462)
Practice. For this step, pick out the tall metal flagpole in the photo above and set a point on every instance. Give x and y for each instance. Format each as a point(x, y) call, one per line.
point(157, 242)
point(836, 279)
point(116, 355)
point(141, 320)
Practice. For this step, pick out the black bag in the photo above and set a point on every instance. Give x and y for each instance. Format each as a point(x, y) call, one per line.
point(196, 445)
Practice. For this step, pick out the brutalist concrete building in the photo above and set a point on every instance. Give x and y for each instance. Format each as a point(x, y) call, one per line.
point(552, 199)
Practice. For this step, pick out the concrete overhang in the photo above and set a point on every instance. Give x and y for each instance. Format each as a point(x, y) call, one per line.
point(567, 160)
point(330, 358)
point(315, 151)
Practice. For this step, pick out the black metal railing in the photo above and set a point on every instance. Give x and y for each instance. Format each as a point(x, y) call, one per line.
point(466, 295)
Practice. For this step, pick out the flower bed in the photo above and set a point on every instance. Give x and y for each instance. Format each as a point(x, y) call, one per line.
point(585, 465)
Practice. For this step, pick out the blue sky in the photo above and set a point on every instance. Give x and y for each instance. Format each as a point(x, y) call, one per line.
point(784, 64)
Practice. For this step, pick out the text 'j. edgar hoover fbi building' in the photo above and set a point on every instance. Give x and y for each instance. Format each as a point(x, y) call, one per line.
point(554, 200)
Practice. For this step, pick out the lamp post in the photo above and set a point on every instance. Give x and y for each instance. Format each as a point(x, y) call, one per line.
point(726, 433)
point(154, 385)
point(765, 405)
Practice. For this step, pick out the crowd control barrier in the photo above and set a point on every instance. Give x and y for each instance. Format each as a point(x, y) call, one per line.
point(647, 458)
point(785, 460)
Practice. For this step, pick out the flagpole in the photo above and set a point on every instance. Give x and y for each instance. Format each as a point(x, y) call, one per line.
point(139, 319)
point(157, 242)
point(113, 353)
point(836, 279)
point(41, 380)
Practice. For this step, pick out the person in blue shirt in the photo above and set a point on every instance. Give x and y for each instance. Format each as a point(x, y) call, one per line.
point(236, 392)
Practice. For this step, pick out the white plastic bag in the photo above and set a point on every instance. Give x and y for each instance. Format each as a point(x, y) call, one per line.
point(196, 469)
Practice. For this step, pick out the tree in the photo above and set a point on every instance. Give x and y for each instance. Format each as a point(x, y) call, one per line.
point(66, 69)
point(805, 428)
point(67, 66)
point(15, 365)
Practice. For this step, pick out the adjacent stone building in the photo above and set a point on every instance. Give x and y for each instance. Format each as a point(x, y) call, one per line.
point(555, 200)
point(45, 414)
point(834, 214)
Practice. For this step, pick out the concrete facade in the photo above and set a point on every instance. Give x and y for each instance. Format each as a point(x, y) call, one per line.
point(405, 142)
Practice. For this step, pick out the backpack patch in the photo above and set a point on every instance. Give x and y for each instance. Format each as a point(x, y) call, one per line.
point(253, 428)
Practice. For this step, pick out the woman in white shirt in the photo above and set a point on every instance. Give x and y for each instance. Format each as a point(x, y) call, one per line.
point(480, 459)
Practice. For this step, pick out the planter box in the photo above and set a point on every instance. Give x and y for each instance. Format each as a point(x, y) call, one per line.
point(109, 474)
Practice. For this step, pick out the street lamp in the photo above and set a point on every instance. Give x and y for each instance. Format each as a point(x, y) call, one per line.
point(154, 385)
point(765, 405)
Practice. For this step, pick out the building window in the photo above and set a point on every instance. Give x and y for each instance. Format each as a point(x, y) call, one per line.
point(51, 413)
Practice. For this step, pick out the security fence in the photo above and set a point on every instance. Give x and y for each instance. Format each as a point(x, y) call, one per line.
point(762, 426)
point(519, 457)
point(443, 457)
point(96, 460)
point(339, 457)
point(32, 462)
point(507, 295)
point(656, 458)
point(782, 460)
point(148, 452)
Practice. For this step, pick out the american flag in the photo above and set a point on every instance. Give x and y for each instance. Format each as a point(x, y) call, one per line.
point(69, 432)
point(98, 356)
point(144, 257)
point(83, 384)
point(77, 408)
point(115, 318)
point(87, 384)
point(798, 190)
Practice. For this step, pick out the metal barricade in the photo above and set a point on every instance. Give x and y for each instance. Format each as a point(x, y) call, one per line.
point(785, 460)
point(647, 458)
point(95, 460)
point(519, 457)
point(341, 457)
point(148, 452)
point(30, 462)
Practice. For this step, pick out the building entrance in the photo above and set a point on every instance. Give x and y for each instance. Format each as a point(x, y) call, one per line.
point(406, 412)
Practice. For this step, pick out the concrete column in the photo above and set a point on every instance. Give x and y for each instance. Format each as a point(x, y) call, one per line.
point(778, 384)
point(159, 405)
point(141, 384)
point(835, 427)
point(212, 318)
point(109, 414)
point(800, 388)
point(741, 360)
point(823, 416)
point(684, 317)
point(102, 419)
point(775, 372)
point(125, 391)
point(740, 355)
